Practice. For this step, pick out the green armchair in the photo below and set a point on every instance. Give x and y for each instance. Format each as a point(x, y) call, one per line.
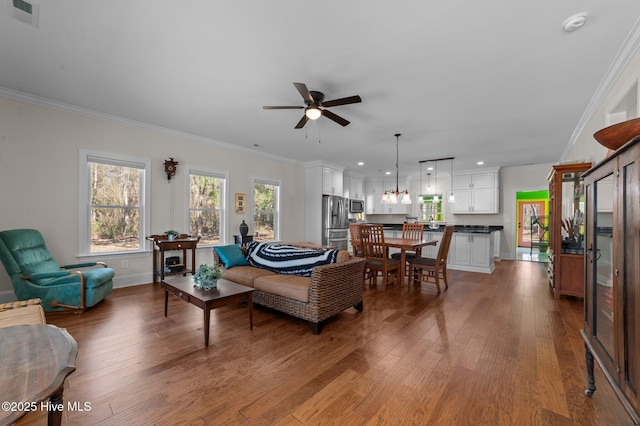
point(34, 274)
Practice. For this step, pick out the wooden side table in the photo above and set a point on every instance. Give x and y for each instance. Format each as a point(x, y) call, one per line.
point(161, 244)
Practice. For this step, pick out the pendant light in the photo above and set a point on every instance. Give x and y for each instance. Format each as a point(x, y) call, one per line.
point(452, 198)
point(435, 197)
point(391, 197)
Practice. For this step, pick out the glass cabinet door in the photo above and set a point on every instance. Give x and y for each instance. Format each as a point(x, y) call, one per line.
point(602, 255)
point(573, 207)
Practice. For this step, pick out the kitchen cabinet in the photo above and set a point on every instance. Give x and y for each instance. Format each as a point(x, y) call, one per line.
point(356, 188)
point(431, 251)
point(612, 274)
point(566, 211)
point(393, 233)
point(471, 252)
point(374, 191)
point(332, 181)
point(476, 192)
point(496, 244)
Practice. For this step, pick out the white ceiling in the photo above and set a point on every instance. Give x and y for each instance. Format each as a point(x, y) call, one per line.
point(497, 80)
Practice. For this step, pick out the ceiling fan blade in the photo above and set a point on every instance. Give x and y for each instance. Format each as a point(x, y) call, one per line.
point(302, 122)
point(304, 92)
point(342, 101)
point(331, 116)
point(281, 107)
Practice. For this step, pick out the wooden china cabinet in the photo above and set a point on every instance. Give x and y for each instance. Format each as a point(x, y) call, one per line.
point(612, 274)
point(566, 229)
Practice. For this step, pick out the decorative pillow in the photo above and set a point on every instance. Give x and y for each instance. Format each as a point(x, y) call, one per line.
point(231, 256)
point(288, 259)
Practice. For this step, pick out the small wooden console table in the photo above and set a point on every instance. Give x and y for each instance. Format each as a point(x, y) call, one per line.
point(161, 244)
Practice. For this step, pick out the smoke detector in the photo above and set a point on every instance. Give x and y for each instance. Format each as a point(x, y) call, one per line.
point(574, 22)
point(24, 11)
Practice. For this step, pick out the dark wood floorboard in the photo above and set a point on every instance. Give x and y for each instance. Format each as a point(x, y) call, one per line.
point(491, 350)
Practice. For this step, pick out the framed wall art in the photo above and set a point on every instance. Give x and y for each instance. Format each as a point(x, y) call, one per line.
point(241, 200)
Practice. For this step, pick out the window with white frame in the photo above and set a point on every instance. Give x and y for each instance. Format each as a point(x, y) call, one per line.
point(113, 196)
point(207, 212)
point(266, 209)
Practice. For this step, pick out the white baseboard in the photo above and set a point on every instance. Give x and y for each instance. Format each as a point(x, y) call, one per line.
point(131, 280)
point(7, 296)
point(118, 282)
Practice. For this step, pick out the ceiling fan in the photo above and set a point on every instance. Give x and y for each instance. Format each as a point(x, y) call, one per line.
point(315, 100)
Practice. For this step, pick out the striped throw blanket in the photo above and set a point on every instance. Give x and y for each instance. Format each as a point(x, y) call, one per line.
point(288, 259)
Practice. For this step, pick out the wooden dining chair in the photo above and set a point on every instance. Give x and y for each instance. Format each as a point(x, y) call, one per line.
point(356, 243)
point(422, 269)
point(375, 253)
point(411, 231)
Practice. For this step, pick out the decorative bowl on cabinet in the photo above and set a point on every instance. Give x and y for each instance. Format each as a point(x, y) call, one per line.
point(616, 135)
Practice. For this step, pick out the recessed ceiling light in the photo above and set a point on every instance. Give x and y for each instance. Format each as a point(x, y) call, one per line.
point(387, 173)
point(480, 163)
point(574, 22)
point(360, 163)
point(429, 168)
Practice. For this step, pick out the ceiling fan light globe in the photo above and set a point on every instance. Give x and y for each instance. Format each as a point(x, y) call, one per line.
point(313, 113)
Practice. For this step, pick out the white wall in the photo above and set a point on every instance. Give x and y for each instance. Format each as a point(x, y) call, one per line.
point(39, 149)
point(513, 180)
point(585, 146)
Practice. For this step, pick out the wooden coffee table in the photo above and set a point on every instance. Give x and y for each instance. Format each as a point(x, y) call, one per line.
point(227, 293)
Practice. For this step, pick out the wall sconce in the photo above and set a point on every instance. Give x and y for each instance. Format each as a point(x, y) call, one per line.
point(170, 167)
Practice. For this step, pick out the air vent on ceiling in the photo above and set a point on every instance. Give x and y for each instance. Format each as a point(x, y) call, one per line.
point(28, 13)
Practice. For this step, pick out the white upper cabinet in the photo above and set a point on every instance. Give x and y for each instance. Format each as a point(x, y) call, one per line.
point(356, 188)
point(332, 181)
point(476, 192)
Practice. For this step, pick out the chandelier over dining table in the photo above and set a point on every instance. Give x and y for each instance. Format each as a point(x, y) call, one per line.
point(391, 197)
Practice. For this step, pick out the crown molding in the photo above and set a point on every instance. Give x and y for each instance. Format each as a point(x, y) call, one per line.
point(625, 54)
point(61, 106)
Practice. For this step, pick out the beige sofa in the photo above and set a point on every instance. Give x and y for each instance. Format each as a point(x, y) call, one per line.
point(328, 291)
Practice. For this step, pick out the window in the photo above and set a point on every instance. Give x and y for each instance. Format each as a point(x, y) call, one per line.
point(266, 213)
point(207, 213)
point(113, 197)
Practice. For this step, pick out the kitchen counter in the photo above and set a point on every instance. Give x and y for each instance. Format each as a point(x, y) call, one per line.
point(473, 248)
point(469, 229)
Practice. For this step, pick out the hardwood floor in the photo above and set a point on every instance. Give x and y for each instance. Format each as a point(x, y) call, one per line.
point(491, 350)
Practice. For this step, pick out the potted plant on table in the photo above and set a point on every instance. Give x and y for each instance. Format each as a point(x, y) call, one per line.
point(206, 277)
point(171, 234)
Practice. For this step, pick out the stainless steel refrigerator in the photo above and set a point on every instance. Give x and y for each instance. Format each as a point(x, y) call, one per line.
point(335, 221)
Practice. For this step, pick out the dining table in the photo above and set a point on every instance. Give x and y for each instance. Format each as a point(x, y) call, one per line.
point(405, 244)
